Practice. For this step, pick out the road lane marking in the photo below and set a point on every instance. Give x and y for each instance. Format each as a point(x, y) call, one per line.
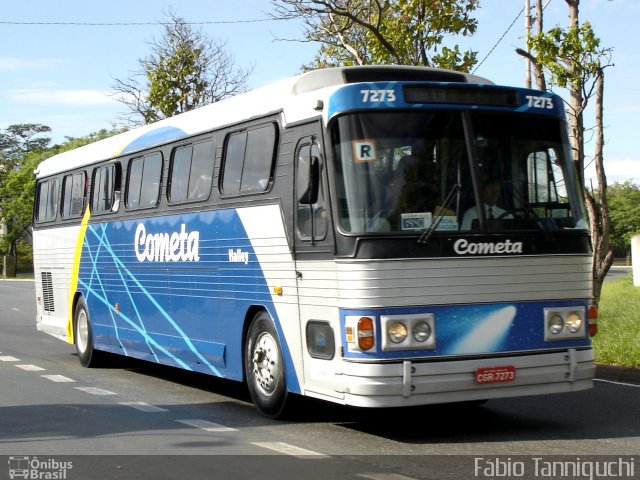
point(94, 391)
point(30, 368)
point(287, 449)
point(58, 378)
point(616, 383)
point(385, 476)
point(143, 407)
point(9, 358)
point(206, 425)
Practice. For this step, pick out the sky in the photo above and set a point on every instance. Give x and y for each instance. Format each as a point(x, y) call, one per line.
point(57, 69)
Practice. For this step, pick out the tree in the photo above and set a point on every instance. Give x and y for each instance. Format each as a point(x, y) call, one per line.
point(397, 32)
point(575, 60)
point(624, 213)
point(185, 70)
point(20, 140)
point(18, 145)
point(22, 148)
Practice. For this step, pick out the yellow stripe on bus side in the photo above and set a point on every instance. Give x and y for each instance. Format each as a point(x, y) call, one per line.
point(75, 271)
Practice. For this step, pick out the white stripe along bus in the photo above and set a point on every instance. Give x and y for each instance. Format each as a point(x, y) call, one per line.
point(308, 238)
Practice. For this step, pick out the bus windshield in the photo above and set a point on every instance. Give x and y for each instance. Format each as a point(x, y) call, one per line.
point(407, 171)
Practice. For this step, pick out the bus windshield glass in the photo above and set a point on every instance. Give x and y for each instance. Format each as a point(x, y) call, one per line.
point(406, 171)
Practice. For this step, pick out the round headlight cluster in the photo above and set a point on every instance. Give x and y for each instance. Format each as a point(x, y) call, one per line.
point(573, 323)
point(398, 332)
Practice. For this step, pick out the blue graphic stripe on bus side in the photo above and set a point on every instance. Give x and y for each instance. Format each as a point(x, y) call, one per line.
point(91, 290)
point(103, 244)
point(147, 337)
point(182, 285)
point(148, 340)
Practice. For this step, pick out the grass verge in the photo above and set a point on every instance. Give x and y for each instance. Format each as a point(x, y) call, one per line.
point(618, 338)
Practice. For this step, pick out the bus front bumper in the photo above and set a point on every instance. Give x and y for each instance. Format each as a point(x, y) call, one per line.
point(409, 383)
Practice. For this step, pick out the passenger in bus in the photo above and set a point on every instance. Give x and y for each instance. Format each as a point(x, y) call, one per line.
point(201, 189)
point(490, 196)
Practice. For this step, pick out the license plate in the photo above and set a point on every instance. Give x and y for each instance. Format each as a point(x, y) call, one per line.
point(495, 375)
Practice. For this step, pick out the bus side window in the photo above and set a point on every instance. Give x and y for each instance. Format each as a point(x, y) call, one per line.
point(191, 172)
point(249, 160)
point(258, 160)
point(47, 200)
point(143, 186)
point(105, 190)
point(73, 195)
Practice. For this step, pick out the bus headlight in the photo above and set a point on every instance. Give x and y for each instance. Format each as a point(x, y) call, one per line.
point(421, 331)
point(574, 322)
point(397, 332)
point(556, 324)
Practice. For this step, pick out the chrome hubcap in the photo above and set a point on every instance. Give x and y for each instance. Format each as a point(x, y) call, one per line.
point(266, 364)
point(82, 332)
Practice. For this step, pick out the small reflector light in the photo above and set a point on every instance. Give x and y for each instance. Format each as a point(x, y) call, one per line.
point(349, 334)
point(277, 291)
point(366, 338)
point(593, 321)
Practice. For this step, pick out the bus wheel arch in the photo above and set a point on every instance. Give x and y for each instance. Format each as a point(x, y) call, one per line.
point(264, 366)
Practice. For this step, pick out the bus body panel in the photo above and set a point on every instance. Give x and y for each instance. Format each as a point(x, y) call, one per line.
point(176, 289)
point(53, 253)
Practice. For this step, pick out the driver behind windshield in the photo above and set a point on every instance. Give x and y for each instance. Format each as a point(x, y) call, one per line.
point(490, 197)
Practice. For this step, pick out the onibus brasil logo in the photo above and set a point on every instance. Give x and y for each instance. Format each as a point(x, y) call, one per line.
point(38, 469)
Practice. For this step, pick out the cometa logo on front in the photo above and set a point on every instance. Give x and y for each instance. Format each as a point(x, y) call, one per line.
point(465, 247)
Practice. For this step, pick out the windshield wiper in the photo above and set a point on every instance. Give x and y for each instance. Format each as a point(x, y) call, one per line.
point(439, 213)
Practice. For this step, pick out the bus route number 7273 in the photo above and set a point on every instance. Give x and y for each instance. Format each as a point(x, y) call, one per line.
point(372, 96)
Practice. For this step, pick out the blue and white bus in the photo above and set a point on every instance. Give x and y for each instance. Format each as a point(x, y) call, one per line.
point(330, 236)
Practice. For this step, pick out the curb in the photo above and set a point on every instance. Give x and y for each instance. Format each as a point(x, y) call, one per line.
point(615, 373)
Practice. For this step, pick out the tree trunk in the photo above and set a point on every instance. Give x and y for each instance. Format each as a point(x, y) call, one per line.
point(599, 209)
point(527, 29)
point(541, 83)
point(576, 101)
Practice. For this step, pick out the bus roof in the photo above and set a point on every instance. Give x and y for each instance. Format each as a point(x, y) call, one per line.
point(296, 97)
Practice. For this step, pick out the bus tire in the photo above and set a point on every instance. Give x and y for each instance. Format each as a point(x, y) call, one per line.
point(87, 355)
point(264, 367)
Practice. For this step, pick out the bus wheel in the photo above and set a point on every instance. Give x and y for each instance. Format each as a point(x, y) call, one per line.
point(84, 336)
point(264, 367)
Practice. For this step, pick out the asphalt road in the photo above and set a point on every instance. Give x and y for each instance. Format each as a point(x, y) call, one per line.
point(137, 420)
